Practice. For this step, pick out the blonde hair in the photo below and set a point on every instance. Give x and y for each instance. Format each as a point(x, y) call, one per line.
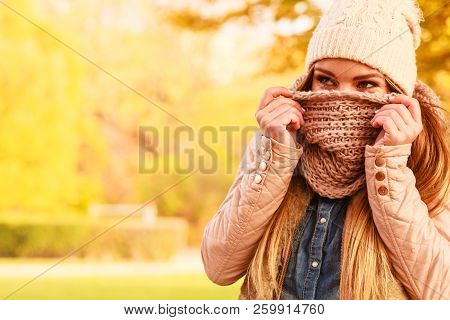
point(365, 267)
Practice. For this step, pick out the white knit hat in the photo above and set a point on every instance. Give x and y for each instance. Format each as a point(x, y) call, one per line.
point(382, 34)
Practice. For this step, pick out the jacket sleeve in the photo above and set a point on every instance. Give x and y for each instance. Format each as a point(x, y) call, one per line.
point(418, 245)
point(231, 237)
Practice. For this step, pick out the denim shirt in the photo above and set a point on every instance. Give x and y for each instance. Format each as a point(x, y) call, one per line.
point(313, 270)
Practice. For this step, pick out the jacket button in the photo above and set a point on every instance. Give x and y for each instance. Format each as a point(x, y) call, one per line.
point(380, 162)
point(380, 176)
point(258, 178)
point(382, 190)
point(263, 165)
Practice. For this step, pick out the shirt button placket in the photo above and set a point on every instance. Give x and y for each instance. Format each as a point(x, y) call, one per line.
point(318, 242)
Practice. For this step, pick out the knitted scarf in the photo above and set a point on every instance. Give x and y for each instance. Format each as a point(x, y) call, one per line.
point(337, 129)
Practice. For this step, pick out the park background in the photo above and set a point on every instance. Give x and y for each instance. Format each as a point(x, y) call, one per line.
point(81, 81)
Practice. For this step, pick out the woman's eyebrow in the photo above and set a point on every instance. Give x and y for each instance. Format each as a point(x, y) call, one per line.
point(363, 76)
point(366, 76)
point(325, 71)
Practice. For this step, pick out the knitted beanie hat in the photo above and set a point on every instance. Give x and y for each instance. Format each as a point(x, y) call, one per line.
point(382, 34)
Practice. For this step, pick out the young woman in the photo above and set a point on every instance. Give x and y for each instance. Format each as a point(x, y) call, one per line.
point(317, 212)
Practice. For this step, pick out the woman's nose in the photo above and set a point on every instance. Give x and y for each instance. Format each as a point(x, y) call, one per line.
point(345, 86)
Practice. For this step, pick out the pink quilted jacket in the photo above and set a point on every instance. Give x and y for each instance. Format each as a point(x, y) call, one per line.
point(418, 245)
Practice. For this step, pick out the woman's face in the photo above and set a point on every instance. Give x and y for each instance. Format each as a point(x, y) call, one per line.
point(343, 74)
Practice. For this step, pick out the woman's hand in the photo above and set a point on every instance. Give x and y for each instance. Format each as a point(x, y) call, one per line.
point(401, 121)
point(279, 116)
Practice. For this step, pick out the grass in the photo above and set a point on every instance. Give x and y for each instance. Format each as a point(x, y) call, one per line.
point(167, 287)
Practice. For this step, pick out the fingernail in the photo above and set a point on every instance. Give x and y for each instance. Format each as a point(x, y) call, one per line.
point(376, 111)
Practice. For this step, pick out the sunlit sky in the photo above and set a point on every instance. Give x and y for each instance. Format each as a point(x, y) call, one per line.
point(235, 47)
point(235, 50)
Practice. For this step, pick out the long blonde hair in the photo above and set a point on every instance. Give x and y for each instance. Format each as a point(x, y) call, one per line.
point(365, 267)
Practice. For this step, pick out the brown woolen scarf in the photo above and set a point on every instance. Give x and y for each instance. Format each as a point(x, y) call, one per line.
point(337, 129)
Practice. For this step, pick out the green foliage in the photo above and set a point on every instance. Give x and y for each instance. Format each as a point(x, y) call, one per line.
point(92, 239)
point(42, 123)
point(134, 241)
point(433, 55)
point(40, 240)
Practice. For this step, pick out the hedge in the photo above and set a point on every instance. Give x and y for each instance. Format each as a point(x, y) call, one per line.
point(94, 239)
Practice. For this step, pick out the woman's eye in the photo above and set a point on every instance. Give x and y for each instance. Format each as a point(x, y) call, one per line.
point(367, 84)
point(325, 81)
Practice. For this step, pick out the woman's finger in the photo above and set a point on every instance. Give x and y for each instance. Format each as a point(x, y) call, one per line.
point(402, 111)
point(272, 93)
point(274, 104)
point(410, 103)
point(288, 117)
point(388, 125)
point(397, 119)
point(272, 118)
point(282, 108)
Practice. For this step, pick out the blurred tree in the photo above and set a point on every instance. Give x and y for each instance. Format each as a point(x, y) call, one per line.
point(433, 55)
point(42, 132)
point(288, 51)
point(69, 120)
